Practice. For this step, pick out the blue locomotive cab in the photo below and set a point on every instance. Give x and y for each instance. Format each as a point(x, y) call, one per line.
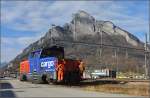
point(43, 63)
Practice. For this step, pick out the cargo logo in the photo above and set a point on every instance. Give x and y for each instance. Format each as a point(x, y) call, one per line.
point(48, 64)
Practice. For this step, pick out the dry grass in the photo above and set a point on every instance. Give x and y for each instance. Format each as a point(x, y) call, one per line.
point(138, 89)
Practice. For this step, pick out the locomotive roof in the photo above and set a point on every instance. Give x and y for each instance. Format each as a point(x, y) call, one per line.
point(52, 47)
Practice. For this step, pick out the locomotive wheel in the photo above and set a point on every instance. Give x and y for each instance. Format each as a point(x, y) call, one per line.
point(23, 78)
point(37, 79)
point(44, 79)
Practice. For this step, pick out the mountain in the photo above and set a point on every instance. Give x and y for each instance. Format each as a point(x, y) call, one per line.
point(88, 30)
point(3, 64)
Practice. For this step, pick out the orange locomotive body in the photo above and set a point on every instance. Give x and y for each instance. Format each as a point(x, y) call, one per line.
point(24, 69)
point(69, 70)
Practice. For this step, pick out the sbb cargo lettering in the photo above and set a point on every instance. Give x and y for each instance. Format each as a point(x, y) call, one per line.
point(48, 64)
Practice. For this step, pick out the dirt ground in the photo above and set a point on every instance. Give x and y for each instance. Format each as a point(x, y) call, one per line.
point(13, 88)
point(130, 88)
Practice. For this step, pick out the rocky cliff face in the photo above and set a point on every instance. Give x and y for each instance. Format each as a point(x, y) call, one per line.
point(88, 30)
point(87, 25)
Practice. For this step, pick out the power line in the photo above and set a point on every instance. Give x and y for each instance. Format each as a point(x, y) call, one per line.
point(95, 44)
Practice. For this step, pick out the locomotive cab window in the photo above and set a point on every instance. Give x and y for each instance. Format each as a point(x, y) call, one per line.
point(31, 55)
point(53, 52)
point(35, 54)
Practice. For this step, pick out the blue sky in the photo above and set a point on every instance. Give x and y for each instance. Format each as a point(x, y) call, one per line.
point(23, 22)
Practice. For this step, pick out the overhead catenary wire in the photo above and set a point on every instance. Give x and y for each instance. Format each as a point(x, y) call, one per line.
point(95, 44)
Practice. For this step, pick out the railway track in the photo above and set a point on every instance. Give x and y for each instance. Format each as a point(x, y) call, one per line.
point(117, 80)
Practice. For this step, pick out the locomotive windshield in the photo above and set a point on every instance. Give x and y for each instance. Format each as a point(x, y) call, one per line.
point(35, 54)
point(54, 51)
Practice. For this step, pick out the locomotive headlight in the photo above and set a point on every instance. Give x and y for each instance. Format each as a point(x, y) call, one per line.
point(43, 64)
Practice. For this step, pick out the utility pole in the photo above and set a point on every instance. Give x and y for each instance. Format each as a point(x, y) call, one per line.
point(148, 54)
point(116, 57)
point(74, 34)
point(101, 42)
point(126, 55)
point(74, 28)
point(146, 69)
point(99, 53)
point(149, 37)
point(51, 40)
